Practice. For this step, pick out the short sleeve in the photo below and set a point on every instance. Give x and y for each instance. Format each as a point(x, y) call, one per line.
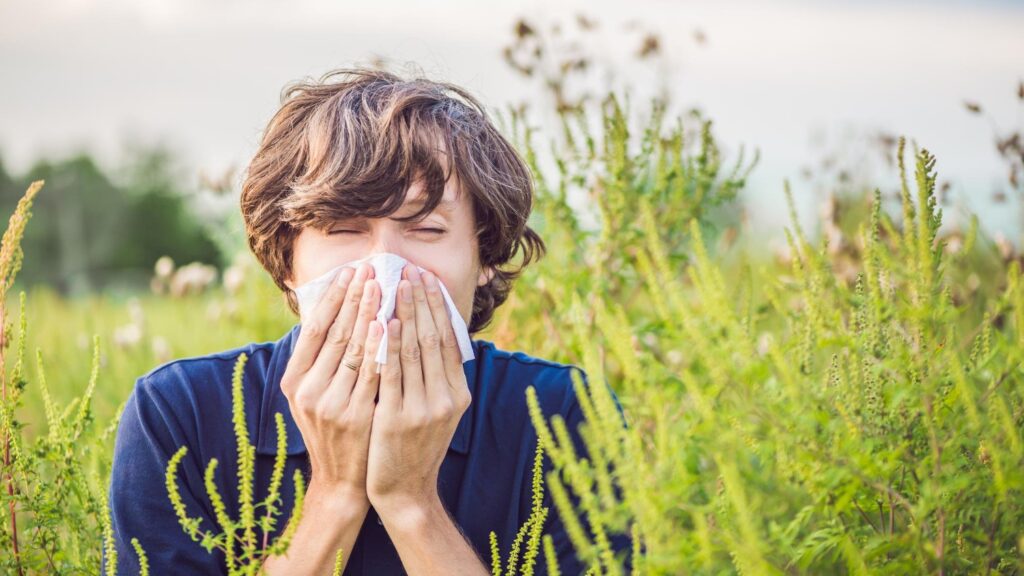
point(621, 544)
point(148, 434)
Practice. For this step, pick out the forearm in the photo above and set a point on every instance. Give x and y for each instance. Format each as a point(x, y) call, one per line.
point(329, 522)
point(429, 542)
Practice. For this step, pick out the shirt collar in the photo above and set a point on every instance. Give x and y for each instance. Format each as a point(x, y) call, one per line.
point(274, 401)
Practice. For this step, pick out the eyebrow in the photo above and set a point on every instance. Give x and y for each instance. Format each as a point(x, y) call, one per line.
point(446, 204)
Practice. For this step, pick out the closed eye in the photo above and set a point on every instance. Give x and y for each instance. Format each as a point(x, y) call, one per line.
point(431, 230)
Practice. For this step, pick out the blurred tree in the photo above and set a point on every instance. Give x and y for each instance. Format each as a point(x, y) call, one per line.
point(5, 178)
point(95, 230)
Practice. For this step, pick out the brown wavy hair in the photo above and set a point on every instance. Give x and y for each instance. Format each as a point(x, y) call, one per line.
point(351, 143)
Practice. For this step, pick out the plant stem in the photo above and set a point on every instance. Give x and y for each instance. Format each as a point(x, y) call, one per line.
point(7, 439)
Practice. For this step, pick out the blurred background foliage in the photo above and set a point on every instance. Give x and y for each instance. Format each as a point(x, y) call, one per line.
point(100, 230)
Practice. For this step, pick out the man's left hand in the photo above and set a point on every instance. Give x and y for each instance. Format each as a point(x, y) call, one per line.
point(423, 395)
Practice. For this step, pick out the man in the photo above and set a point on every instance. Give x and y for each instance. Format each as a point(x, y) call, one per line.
point(408, 470)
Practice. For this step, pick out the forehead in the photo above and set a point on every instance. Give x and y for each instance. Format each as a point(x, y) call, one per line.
point(415, 197)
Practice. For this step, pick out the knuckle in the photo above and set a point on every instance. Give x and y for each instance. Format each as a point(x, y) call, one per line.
point(369, 290)
point(430, 341)
point(337, 291)
point(392, 366)
point(288, 384)
point(351, 416)
point(315, 329)
point(324, 411)
point(366, 311)
point(448, 339)
point(304, 403)
point(411, 352)
point(444, 410)
point(338, 335)
point(354, 352)
point(355, 295)
point(463, 400)
point(367, 371)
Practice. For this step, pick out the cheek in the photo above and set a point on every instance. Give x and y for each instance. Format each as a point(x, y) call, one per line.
point(460, 280)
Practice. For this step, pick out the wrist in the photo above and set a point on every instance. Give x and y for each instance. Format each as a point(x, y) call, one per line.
point(405, 513)
point(342, 500)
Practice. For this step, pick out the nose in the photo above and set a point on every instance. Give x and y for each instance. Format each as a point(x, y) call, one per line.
point(385, 239)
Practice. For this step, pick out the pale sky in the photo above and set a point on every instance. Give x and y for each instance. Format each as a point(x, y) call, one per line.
point(205, 76)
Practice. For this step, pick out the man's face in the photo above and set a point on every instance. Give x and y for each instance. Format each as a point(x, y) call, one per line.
point(451, 254)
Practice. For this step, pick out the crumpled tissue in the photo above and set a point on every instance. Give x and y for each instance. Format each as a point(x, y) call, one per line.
point(387, 272)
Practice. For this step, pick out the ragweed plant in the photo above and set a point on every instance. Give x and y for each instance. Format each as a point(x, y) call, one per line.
point(794, 422)
point(530, 530)
point(53, 507)
point(237, 540)
point(611, 184)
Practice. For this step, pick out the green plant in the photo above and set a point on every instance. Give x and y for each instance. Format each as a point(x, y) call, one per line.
point(608, 176)
point(53, 506)
point(530, 530)
point(241, 532)
point(794, 422)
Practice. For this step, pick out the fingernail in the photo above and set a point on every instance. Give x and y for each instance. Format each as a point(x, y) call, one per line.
point(344, 276)
point(406, 291)
point(414, 275)
point(430, 281)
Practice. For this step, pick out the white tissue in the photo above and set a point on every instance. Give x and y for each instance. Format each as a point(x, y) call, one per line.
point(387, 272)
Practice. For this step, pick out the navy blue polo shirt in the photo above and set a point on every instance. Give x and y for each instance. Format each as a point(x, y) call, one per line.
point(484, 481)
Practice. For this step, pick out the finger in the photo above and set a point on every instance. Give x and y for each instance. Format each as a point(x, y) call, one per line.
point(356, 349)
point(413, 393)
point(313, 330)
point(369, 379)
point(340, 333)
point(450, 354)
point(435, 380)
point(391, 374)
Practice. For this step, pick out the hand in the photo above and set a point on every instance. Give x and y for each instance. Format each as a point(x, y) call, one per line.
point(423, 394)
point(332, 403)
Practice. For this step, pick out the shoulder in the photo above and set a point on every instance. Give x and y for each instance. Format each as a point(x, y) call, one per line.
point(506, 375)
point(520, 361)
point(200, 373)
point(194, 393)
point(188, 400)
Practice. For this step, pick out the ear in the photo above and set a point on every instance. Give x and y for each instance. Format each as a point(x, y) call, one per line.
point(486, 273)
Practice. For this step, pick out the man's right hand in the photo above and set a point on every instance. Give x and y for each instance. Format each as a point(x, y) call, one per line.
point(331, 383)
